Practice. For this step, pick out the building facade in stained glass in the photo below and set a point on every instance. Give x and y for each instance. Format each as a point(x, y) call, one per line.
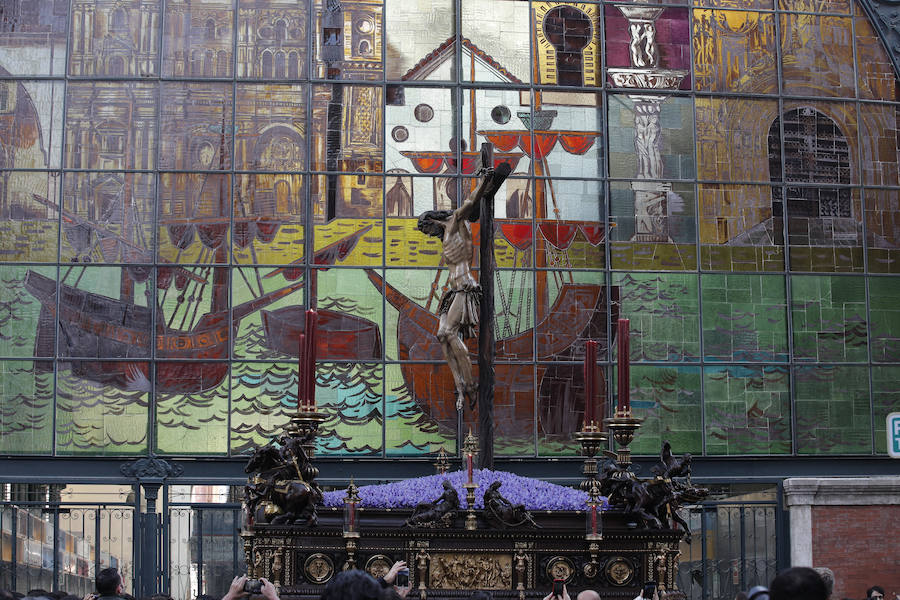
point(181, 179)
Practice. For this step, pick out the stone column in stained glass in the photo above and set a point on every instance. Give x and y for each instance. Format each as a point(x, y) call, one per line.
point(650, 210)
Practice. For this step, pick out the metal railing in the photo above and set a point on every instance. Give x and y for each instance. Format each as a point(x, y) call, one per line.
point(198, 549)
point(61, 546)
point(732, 549)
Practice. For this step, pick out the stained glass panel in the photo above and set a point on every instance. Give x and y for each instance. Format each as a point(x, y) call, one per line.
point(26, 407)
point(111, 125)
point(97, 417)
point(747, 410)
point(811, 48)
point(734, 51)
point(884, 315)
point(198, 38)
point(414, 52)
point(28, 299)
point(885, 400)
point(833, 413)
point(497, 41)
point(829, 318)
point(744, 317)
point(181, 416)
point(113, 39)
point(29, 229)
point(664, 313)
point(654, 225)
point(668, 399)
point(738, 228)
point(883, 226)
point(732, 138)
point(272, 39)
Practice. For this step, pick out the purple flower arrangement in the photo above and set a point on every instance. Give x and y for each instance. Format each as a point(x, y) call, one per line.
point(533, 493)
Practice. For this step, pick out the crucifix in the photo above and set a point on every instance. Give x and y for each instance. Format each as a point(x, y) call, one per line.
point(468, 305)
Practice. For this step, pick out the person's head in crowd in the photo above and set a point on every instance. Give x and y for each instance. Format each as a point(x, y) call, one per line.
point(758, 592)
point(587, 595)
point(38, 593)
point(17, 595)
point(6, 595)
point(109, 582)
point(827, 576)
point(161, 597)
point(352, 585)
point(206, 597)
point(70, 597)
point(798, 583)
point(740, 596)
point(481, 595)
point(58, 595)
point(876, 592)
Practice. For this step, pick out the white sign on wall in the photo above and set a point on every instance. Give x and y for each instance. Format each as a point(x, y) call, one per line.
point(893, 434)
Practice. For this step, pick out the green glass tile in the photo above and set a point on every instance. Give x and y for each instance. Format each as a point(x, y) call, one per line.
point(739, 323)
point(664, 313)
point(668, 399)
point(828, 315)
point(885, 400)
point(833, 414)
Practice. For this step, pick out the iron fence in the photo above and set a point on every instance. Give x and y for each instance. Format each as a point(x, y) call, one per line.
point(733, 548)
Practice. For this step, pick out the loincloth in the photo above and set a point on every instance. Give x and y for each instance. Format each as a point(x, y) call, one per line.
point(471, 306)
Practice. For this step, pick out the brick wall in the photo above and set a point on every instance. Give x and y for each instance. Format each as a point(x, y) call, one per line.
point(861, 544)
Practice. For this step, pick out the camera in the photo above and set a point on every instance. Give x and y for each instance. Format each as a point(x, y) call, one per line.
point(649, 590)
point(253, 586)
point(558, 587)
point(402, 579)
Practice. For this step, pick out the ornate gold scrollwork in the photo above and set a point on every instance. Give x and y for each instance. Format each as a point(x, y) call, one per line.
point(619, 570)
point(560, 567)
point(471, 571)
point(318, 568)
point(378, 565)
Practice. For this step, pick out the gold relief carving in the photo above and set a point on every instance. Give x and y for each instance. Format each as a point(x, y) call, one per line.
point(378, 565)
point(619, 570)
point(560, 567)
point(318, 568)
point(471, 571)
point(277, 566)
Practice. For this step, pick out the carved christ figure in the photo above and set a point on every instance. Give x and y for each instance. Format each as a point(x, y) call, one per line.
point(459, 305)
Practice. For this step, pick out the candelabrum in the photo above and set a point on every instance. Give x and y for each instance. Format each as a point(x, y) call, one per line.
point(592, 441)
point(622, 426)
point(470, 450)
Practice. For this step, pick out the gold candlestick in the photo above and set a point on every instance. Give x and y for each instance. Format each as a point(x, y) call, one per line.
point(471, 521)
point(623, 426)
point(592, 441)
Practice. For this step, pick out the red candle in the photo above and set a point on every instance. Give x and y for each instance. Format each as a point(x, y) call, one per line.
point(590, 383)
point(469, 466)
point(352, 508)
point(624, 374)
point(301, 372)
point(594, 519)
point(310, 358)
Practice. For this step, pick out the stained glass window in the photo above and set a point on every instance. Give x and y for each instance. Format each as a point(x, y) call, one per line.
point(181, 180)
